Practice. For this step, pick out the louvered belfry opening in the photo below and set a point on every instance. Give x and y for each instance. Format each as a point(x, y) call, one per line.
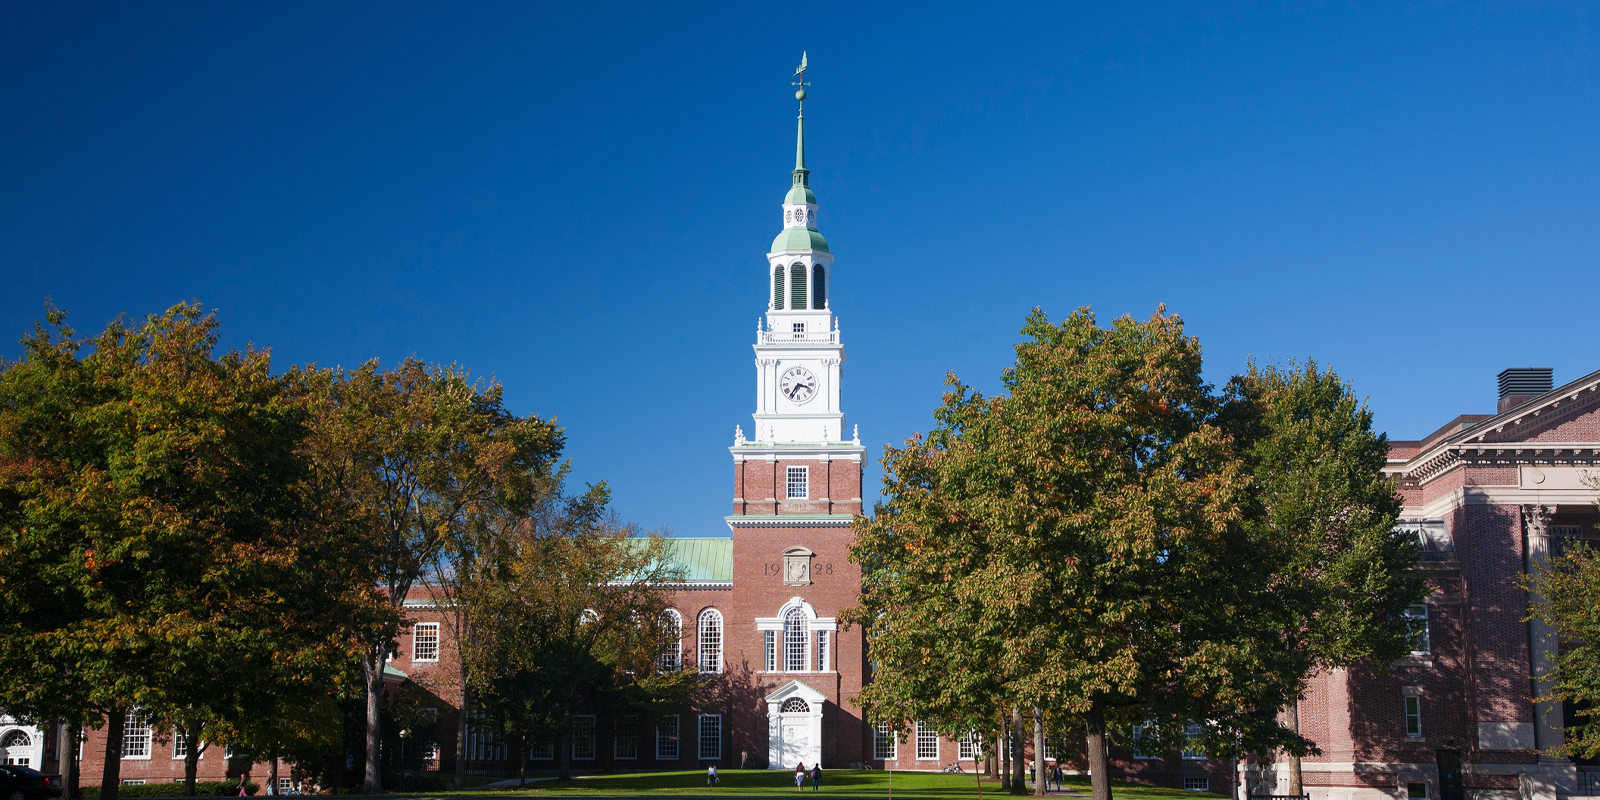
point(819, 287)
point(777, 288)
point(797, 286)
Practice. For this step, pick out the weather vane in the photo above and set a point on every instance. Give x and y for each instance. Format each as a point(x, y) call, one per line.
point(800, 72)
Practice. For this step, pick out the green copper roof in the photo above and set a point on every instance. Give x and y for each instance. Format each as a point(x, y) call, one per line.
point(800, 144)
point(800, 194)
point(703, 559)
point(799, 239)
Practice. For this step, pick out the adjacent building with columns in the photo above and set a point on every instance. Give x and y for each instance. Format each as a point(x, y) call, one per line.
point(1490, 497)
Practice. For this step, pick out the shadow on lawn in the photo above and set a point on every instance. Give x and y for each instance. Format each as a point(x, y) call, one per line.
point(774, 782)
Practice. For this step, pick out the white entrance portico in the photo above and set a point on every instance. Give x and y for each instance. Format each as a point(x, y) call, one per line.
point(794, 726)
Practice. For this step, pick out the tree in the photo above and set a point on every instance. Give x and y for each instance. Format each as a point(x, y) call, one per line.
point(572, 611)
point(154, 499)
point(1097, 540)
point(417, 452)
point(1567, 598)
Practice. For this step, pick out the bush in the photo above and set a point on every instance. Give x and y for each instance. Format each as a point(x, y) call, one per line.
point(201, 789)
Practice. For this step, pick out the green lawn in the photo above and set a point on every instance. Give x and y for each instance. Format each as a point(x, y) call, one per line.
point(849, 783)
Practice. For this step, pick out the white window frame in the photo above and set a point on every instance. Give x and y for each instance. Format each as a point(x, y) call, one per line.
point(800, 476)
point(1413, 711)
point(1197, 783)
point(971, 746)
point(542, 751)
point(796, 640)
point(133, 781)
point(927, 743)
point(1411, 784)
point(425, 643)
point(769, 644)
point(709, 640)
point(583, 732)
point(1417, 630)
point(671, 658)
point(285, 785)
point(625, 741)
point(138, 731)
point(1191, 732)
point(668, 744)
point(885, 740)
point(1133, 744)
point(709, 740)
point(822, 651)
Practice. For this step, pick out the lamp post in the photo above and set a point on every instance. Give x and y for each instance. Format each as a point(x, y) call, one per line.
point(405, 733)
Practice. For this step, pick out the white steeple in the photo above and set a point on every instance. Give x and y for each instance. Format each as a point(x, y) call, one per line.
point(799, 355)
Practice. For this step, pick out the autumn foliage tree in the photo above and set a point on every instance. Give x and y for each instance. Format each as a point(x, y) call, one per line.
point(1106, 540)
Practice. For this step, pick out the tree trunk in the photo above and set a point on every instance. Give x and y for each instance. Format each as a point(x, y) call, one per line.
point(272, 776)
point(372, 781)
point(111, 776)
point(1095, 740)
point(522, 763)
point(191, 756)
point(67, 759)
point(461, 734)
point(1019, 761)
point(564, 758)
point(1291, 714)
point(1004, 742)
point(1040, 785)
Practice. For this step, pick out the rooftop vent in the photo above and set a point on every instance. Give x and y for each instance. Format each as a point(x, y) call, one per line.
point(1518, 385)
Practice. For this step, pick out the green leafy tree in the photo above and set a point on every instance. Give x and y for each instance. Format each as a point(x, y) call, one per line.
point(154, 496)
point(573, 612)
point(417, 452)
point(1097, 540)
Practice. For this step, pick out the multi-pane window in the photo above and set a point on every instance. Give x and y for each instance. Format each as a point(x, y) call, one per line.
point(583, 737)
point(626, 747)
point(1197, 783)
point(711, 640)
point(180, 744)
point(483, 745)
point(969, 747)
point(927, 743)
point(1140, 744)
point(710, 737)
point(1191, 742)
point(794, 640)
point(798, 479)
point(541, 751)
point(667, 739)
point(425, 642)
point(822, 651)
point(671, 658)
point(1413, 716)
point(285, 785)
point(136, 735)
point(769, 645)
point(883, 742)
point(1417, 629)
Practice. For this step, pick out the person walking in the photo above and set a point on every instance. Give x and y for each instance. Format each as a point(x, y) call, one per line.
point(744, 758)
point(816, 776)
point(711, 775)
point(800, 776)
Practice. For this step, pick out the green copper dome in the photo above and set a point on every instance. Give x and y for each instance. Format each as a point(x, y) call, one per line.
point(799, 239)
point(800, 194)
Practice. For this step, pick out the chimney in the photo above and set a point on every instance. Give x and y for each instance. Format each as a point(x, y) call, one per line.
point(1518, 385)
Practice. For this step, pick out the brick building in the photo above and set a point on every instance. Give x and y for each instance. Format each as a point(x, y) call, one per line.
point(1490, 497)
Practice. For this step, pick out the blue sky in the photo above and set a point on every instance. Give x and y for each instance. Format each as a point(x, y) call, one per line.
point(576, 198)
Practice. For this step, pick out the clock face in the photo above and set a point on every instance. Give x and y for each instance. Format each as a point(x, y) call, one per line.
point(798, 384)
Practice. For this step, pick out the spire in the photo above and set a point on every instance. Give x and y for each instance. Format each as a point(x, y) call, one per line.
point(800, 171)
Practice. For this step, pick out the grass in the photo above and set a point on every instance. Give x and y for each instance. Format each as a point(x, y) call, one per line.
point(835, 783)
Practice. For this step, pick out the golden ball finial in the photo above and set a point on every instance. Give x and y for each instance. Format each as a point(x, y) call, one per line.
point(800, 95)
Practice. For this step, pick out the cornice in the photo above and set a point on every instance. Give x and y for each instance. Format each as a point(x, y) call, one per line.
point(790, 520)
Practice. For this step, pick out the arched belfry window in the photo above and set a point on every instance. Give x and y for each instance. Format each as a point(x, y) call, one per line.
point(819, 287)
point(710, 640)
point(777, 288)
point(794, 640)
point(797, 286)
point(795, 705)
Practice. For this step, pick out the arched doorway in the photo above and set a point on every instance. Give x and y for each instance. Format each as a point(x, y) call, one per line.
point(794, 726)
point(16, 748)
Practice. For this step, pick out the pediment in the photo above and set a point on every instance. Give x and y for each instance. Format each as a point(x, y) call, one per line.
point(798, 689)
point(1566, 415)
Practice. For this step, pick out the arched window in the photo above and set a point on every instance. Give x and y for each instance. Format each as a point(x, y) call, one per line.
point(671, 658)
point(797, 286)
point(777, 288)
point(794, 705)
point(16, 749)
point(711, 640)
point(794, 640)
point(819, 287)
